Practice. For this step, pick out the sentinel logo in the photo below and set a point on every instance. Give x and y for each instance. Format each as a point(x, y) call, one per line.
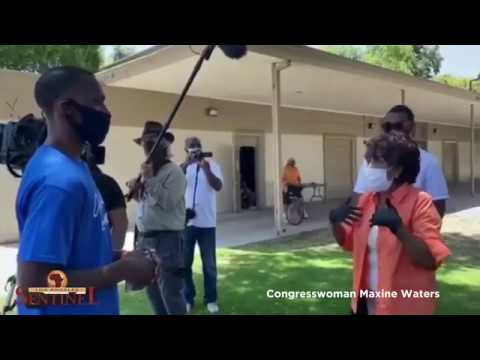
point(57, 293)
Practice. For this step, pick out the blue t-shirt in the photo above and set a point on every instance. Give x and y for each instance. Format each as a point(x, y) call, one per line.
point(62, 221)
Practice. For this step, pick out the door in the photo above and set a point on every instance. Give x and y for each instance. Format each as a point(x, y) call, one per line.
point(450, 161)
point(247, 158)
point(248, 187)
point(338, 166)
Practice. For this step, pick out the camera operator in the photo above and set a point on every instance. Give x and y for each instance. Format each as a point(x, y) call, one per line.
point(112, 196)
point(204, 180)
point(61, 216)
point(161, 220)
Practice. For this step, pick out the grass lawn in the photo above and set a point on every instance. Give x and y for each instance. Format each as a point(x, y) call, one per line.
point(312, 262)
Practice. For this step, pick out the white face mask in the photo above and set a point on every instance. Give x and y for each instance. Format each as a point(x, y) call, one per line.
point(377, 180)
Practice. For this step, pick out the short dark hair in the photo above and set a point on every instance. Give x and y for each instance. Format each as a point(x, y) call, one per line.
point(402, 109)
point(57, 81)
point(397, 150)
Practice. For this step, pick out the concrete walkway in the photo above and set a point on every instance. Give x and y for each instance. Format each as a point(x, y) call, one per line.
point(237, 229)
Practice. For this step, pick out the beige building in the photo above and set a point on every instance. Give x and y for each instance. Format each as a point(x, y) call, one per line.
point(329, 106)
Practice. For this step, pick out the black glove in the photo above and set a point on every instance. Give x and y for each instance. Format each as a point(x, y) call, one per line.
point(345, 213)
point(387, 216)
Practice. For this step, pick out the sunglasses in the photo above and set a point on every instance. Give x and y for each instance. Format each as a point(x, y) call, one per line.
point(387, 127)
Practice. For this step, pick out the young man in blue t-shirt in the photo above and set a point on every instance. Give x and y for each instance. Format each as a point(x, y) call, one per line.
point(62, 221)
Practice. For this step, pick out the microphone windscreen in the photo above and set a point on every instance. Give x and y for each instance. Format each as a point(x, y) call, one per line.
point(234, 51)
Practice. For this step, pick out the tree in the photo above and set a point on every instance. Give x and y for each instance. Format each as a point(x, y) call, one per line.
point(122, 51)
point(426, 61)
point(458, 82)
point(393, 57)
point(417, 60)
point(348, 51)
point(39, 58)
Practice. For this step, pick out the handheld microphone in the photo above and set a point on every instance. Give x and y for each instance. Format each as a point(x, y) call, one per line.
point(234, 51)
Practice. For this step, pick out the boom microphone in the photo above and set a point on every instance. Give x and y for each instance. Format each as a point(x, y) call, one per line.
point(230, 51)
point(234, 51)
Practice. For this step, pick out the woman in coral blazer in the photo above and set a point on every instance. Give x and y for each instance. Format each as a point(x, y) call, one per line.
point(393, 234)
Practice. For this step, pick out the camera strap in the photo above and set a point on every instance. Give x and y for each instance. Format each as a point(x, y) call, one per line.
point(195, 186)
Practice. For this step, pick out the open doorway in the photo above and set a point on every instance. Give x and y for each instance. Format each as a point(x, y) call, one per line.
point(450, 161)
point(248, 182)
point(249, 188)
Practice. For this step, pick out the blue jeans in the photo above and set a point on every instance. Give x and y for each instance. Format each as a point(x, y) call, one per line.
point(207, 244)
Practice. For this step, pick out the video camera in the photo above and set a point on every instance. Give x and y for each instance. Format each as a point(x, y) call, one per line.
point(19, 140)
point(198, 155)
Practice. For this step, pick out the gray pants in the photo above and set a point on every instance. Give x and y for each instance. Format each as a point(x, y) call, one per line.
point(166, 295)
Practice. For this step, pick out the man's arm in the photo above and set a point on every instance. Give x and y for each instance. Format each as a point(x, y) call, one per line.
point(436, 185)
point(441, 206)
point(214, 181)
point(116, 208)
point(188, 161)
point(134, 267)
point(119, 220)
point(34, 274)
point(48, 237)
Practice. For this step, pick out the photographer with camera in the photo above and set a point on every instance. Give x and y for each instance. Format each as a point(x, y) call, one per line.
point(204, 180)
point(61, 216)
point(112, 195)
point(161, 219)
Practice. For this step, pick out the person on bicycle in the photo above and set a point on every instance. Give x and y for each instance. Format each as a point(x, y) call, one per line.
point(292, 185)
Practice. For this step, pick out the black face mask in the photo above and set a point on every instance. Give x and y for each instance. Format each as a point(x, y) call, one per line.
point(95, 124)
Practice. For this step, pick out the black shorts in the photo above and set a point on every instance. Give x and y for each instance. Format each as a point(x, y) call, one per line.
point(295, 191)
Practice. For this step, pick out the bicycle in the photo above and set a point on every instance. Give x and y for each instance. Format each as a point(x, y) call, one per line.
point(10, 301)
point(296, 204)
